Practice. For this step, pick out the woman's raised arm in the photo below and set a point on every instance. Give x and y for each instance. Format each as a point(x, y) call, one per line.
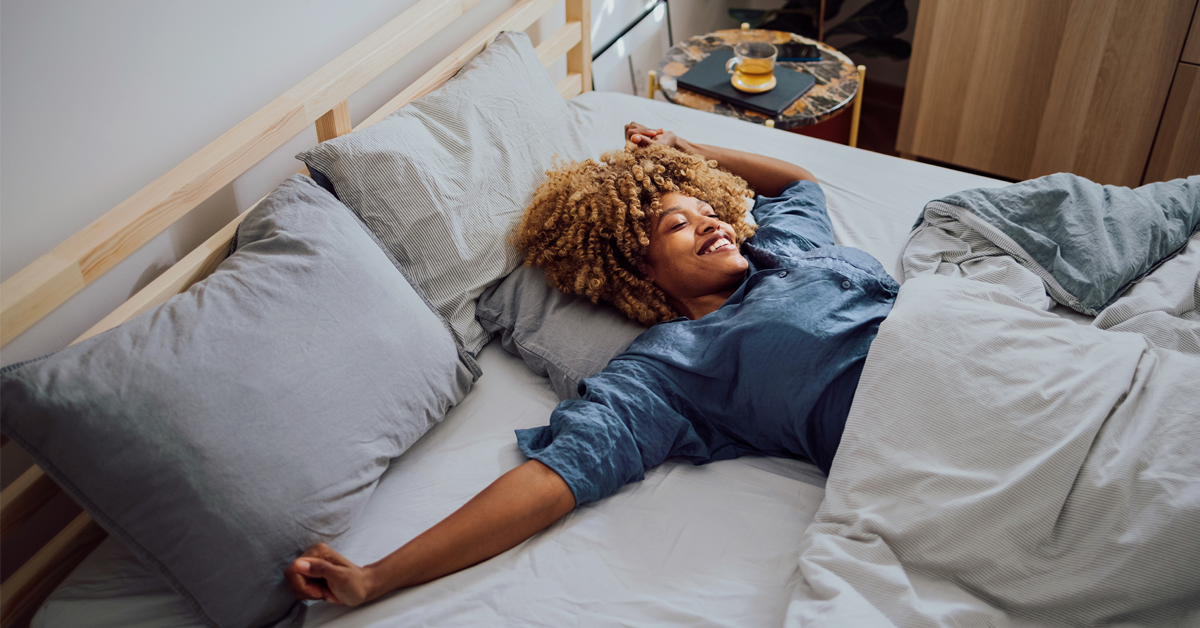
point(765, 175)
point(518, 505)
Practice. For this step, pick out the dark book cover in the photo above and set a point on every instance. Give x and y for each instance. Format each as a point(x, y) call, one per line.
point(710, 78)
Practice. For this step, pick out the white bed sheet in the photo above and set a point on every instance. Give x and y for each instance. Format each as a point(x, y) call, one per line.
point(703, 546)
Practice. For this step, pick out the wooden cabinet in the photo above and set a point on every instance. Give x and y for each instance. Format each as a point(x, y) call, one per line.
point(1177, 148)
point(1023, 88)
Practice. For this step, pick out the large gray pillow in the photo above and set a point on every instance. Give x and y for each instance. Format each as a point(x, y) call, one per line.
point(443, 181)
point(562, 336)
point(222, 433)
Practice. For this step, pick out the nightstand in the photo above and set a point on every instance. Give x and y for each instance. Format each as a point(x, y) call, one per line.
point(838, 80)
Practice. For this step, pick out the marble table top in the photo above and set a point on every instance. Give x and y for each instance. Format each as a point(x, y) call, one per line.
point(837, 78)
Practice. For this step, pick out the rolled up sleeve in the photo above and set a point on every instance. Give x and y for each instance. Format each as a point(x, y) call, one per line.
point(622, 426)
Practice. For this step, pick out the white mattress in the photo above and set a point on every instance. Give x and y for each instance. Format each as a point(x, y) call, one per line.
point(700, 546)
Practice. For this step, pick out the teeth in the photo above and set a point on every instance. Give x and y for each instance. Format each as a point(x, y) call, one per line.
point(718, 244)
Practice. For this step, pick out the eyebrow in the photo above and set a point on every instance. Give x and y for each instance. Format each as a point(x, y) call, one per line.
point(678, 208)
point(667, 212)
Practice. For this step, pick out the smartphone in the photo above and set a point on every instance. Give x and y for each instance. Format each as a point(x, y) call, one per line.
point(798, 52)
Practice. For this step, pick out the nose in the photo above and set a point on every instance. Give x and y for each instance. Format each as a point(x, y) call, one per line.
point(709, 224)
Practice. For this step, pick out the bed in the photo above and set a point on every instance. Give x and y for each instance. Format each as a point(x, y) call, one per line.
point(716, 545)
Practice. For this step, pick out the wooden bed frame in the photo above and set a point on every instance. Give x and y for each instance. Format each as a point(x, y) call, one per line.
point(320, 99)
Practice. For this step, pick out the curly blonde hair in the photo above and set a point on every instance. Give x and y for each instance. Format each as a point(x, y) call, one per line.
point(588, 226)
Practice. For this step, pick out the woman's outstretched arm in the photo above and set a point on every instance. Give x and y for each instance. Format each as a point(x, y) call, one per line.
point(765, 175)
point(519, 504)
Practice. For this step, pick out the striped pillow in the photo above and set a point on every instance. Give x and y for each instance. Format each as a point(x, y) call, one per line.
point(443, 181)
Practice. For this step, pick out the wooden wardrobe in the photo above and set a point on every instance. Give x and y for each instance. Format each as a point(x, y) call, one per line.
point(1107, 89)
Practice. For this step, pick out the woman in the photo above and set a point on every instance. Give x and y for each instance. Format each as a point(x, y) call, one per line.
point(758, 349)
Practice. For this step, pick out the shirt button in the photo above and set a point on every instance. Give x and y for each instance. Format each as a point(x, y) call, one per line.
point(845, 285)
point(783, 274)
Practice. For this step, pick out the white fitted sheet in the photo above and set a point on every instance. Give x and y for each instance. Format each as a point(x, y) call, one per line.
point(701, 546)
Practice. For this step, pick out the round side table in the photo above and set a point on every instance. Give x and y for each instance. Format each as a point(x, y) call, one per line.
point(837, 79)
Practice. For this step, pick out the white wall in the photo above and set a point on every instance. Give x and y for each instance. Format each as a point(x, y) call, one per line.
point(97, 99)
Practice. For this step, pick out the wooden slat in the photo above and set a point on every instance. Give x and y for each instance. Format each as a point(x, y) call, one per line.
point(1177, 148)
point(192, 268)
point(29, 585)
point(45, 284)
point(518, 18)
point(335, 122)
point(24, 497)
point(579, 58)
point(558, 44)
point(571, 86)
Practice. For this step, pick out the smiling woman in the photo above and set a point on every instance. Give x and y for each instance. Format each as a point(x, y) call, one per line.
point(765, 360)
point(693, 255)
point(623, 250)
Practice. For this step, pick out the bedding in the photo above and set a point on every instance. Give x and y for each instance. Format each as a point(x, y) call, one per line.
point(440, 179)
point(563, 337)
point(1084, 241)
point(219, 434)
point(706, 546)
point(1064, 487)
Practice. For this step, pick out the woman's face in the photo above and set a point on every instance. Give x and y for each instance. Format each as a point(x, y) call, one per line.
point(692, 252)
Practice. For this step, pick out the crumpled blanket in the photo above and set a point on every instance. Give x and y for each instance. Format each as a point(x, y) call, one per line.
point(1006, 466)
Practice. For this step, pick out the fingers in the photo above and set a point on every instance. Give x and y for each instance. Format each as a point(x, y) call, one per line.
point(326, 553)
point(639, 133)
point(310, 575)
point(302, 586)
point(316, 574)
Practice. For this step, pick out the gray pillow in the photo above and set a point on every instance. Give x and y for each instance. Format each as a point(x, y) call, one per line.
point(222, 433)
point(561, 336)
point(443, 181)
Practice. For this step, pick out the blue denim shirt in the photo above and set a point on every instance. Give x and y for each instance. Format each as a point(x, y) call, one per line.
point(771, 372)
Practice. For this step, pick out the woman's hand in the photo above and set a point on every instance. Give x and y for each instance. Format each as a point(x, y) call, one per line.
point(521, 503)
point(765, 175)
point(641, 135)
point(323, 574)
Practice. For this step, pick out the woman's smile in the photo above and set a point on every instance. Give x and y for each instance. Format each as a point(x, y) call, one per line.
point(717, 243)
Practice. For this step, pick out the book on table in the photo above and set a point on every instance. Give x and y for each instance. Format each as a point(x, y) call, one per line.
point(710, 78)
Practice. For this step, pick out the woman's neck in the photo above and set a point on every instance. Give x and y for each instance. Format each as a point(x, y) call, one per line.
point(700, 306)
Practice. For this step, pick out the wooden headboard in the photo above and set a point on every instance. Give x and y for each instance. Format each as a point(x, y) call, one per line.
point(321, 100)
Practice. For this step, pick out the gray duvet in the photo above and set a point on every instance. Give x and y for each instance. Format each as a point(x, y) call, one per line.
point(1004, 466)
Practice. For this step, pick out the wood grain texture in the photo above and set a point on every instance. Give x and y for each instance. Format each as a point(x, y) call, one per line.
point(1191, 49)
point(45, 284)
point(1022, 88)
point(24, 591)
point(1177, 147)
point(335, 122)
